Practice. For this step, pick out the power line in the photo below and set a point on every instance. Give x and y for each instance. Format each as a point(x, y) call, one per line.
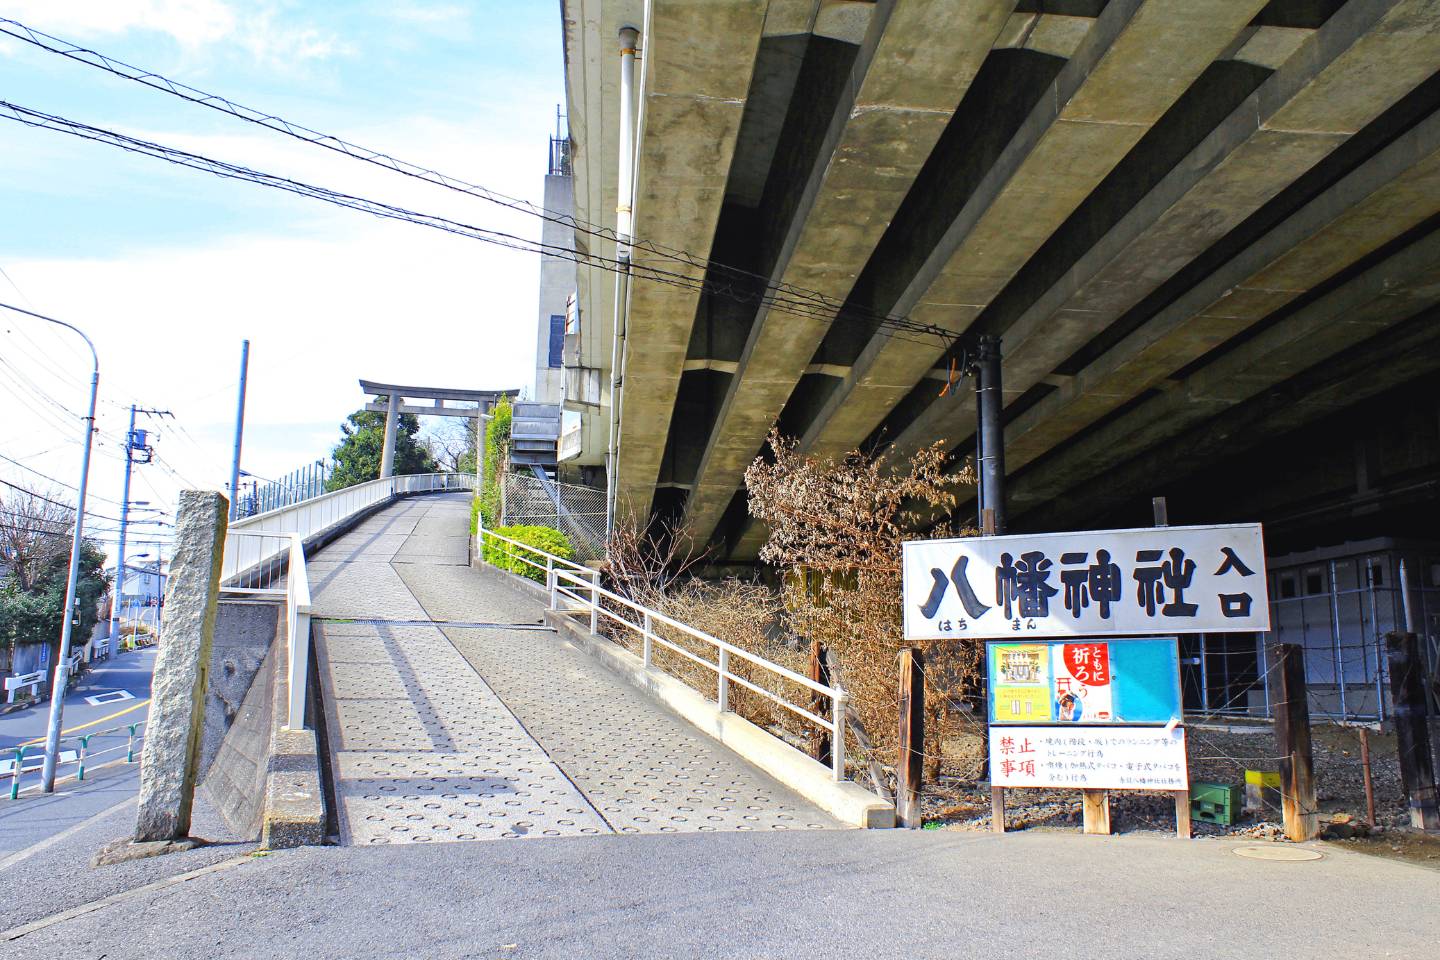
point(60, 483)
point(784, 298)
point(56, 503)
point(213, 101)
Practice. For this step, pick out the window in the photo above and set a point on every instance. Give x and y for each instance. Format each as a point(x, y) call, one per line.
point(557, 339)
point(1314, 582)
point(1287, 586)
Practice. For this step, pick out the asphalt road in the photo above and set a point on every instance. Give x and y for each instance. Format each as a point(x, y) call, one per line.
point(35, 816)
point(818, 894)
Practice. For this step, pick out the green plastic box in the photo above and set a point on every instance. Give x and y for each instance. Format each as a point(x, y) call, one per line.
point(1216, 802)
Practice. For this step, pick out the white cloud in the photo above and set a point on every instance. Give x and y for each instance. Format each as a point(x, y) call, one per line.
point(445, 14)
point(193, 24)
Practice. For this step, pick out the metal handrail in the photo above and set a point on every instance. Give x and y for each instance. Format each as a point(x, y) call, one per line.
point(551, 559)
point(309, 517)
point(586, 591)
point(297, 629)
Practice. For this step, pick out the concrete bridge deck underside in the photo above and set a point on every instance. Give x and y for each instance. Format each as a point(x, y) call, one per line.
point(452, 714)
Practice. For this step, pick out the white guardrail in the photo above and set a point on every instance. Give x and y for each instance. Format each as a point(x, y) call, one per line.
point(265, 556)
point(580, 585)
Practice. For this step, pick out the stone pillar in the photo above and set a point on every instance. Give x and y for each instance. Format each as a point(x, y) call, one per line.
point(392, 421)
point(171, 760)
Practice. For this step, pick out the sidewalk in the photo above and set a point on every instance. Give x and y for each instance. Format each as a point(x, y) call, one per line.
point(811, 894)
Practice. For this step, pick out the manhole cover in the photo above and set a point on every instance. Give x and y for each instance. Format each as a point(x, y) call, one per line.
point(1275, 851)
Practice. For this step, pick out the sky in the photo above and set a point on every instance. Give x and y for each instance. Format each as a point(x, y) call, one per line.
point(168, 269)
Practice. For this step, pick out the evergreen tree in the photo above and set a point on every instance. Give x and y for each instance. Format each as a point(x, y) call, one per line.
point(362, 441)
point(34, 615)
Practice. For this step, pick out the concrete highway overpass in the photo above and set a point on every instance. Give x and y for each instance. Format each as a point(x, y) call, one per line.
point(1203, 229)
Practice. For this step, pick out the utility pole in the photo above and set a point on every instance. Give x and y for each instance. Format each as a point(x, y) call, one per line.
point(239, 428)
point(133, 442)
point(990, 437)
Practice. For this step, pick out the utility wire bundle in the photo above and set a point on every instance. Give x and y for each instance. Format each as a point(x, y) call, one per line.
point(654, 262)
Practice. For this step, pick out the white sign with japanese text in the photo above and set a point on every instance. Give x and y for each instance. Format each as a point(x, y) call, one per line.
point(1090, 758)
point(1149, 580)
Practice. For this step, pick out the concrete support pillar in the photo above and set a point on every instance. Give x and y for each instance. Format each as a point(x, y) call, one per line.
point(392, 421)
point(170, 763)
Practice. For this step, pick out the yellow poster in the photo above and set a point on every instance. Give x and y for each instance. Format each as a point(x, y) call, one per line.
point(1020, 676)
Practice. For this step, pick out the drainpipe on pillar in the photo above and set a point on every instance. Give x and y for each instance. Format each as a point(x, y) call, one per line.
point(624, 223)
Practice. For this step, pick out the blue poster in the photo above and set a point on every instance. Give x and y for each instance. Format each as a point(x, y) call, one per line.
point(1126, 681)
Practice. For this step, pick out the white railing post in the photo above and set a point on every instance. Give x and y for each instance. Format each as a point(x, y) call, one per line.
point(595, 601)
point(647, 646)
point(723, 691)
point(299, 671)
point(550, 579)
point(837, 736)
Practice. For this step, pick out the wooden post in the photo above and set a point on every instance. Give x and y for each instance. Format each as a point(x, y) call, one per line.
point(1417, 767)
point(1182, 814)
point(1292, 735)
point(820, 673)
point(1095, 809)
point(910, 764)
point(1369, 778)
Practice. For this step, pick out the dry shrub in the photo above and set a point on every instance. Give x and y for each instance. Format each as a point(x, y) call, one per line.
point(836, 530)
point(747, 615)
point(654, 571)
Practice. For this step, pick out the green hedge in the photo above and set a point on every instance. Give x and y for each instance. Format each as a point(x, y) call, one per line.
point(507, 556)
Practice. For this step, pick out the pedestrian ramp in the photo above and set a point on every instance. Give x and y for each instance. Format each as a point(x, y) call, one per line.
point(453, 714)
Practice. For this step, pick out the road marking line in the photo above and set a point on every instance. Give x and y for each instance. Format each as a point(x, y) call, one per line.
point(15, 933)
point(118, 713)
point(113, 696)
point(69, 831)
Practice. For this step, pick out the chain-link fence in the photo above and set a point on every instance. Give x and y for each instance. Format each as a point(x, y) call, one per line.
point(578, 512)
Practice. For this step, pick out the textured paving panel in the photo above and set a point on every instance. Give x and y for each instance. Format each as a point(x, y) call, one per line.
point(470, 734)
point(424, 751)
point(644, 769)
point(474, 596)
point(361, 589)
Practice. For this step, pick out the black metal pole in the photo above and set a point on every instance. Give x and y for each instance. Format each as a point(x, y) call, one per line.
point(990, 444)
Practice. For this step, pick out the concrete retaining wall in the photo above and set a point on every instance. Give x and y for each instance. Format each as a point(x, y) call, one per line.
point(263, 778)
point(244, 632)
point(235, 771)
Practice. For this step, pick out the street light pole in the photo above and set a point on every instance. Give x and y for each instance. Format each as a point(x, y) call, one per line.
point(239, 429)
point(62, 665)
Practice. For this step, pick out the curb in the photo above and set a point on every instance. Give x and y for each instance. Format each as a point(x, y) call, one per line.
point(293, 808)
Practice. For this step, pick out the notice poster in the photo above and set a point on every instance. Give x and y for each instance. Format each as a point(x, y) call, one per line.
point(1132, 681)
point(1089, 758)
point(1020, 683)
point(1081, 684)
